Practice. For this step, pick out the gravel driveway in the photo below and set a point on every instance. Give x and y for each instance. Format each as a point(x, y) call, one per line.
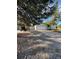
point(39, 45)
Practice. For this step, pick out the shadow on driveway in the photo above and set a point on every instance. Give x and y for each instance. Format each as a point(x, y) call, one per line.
point(38, 46)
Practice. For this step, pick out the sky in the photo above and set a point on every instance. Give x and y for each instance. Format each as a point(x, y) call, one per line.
point(47, 19)
point(59, 5)
point(51, 17)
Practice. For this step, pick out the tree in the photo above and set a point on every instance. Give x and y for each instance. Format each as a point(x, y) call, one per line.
point(31, 11)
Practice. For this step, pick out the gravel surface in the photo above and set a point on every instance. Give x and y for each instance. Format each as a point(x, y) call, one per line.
point(39, 45)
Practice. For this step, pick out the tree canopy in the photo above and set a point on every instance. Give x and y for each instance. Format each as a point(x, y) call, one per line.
point(31, 11)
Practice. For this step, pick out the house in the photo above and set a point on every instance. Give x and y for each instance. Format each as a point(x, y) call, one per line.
point(40, 27)
point(44, 27)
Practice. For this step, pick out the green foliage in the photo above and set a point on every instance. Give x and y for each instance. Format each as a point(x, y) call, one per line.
point(31, 11)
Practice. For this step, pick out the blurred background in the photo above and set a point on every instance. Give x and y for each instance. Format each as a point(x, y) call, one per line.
point(39, 15)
